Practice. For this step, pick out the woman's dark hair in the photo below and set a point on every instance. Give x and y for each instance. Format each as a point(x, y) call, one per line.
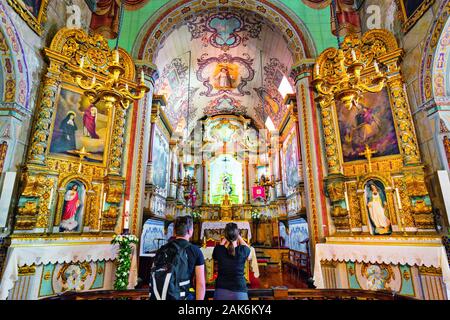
point(231, 234)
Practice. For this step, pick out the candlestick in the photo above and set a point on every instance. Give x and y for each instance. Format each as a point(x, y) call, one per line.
point(104, 201)
point(346, 201)
point(353, 55)
point(399, 202)
point(377, 69)
point(50, 199)
point(126, 222)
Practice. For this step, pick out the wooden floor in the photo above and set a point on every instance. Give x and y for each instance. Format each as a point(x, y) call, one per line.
point(276, 278)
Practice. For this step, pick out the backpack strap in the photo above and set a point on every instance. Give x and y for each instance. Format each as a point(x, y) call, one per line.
point(179, 246)
point(164, 289)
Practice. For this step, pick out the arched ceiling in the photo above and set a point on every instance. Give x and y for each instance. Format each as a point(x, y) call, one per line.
point(233, 62)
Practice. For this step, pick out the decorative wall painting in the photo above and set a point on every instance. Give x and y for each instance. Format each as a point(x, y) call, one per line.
point(152, 237)
point(376, 202)
point(73, 205)
point(369, 123)
point(291, 162)
point(160, 161)
point(79, 123)
point(298, 235)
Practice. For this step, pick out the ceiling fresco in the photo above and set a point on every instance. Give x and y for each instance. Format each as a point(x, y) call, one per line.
point(232, 60)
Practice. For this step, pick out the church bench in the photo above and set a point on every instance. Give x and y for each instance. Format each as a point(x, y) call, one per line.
point(274, 293)
point(296, 261)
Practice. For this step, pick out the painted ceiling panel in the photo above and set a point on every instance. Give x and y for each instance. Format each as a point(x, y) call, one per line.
point(233, 62)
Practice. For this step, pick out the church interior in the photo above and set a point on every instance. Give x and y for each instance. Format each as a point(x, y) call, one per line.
point(320, 127)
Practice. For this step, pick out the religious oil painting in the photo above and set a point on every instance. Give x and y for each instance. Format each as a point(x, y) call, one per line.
point(225, 179)
point(79, 124)
point(73, 205)
point(225, 76)
point(160, 161)
point(412, 10)
point(376, 202)
point(32, 11)
point(291, 163)
point(370, 123)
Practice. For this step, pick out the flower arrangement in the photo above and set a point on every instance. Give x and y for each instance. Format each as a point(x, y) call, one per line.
point(197, 216)
point(256, 215)
point(124, 259)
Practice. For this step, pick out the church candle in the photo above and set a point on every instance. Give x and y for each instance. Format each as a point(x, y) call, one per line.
point(377, 69)
point(353, 55)
point(399, 202)
point(104, 201)
point(82, 63)
point(346, 201)
point(50, 199)
point(117, 56)
point(126, 223)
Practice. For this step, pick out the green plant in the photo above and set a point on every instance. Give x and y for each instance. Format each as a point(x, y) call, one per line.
point(124, 259)
point(197, 216)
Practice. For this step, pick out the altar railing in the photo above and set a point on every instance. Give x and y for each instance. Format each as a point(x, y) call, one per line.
point(277, 293)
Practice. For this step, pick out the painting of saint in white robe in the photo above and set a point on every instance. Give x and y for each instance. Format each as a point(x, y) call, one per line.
point(377, 207)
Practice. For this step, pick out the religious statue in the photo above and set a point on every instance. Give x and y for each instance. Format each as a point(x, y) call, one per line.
point(226, 185)
point(226, 211)
point(376, 204)
point(90, 122)
point(72, 203)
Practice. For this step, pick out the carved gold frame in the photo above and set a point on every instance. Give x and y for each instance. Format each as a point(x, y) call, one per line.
point(35, 23)
point(45, 174)
point(402, 171)
point(409, 22)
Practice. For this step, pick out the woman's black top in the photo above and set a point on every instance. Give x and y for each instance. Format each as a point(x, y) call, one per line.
point(231, 268)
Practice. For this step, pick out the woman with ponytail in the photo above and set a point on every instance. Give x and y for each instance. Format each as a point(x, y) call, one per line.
point(231, 255)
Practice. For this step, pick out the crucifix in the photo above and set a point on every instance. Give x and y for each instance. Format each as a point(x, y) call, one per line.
point(82, 153)
point(368, 154)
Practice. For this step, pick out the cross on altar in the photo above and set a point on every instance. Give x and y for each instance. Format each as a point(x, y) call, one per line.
point(368, 154)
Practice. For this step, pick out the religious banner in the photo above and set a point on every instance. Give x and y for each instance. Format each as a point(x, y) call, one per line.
point(258, 192)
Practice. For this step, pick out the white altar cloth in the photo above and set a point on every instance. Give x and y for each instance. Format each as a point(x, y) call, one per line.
point(208, 251)
point(219, 225)
point(19, 256)
point(428, 256)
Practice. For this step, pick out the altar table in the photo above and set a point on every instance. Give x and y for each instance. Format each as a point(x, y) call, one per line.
point(209, 264)
point(42, 254)
point(220, 225)
point(412, 255)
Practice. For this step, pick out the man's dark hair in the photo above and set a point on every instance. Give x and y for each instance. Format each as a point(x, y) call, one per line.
point(182, 225)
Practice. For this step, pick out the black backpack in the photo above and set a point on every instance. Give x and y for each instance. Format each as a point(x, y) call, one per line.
point(169, 275)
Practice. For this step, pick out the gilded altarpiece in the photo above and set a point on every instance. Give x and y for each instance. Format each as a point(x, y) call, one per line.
point(375, 180)
point(73, 178)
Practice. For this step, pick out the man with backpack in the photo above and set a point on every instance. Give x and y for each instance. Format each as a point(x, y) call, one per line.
point(175, 265)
